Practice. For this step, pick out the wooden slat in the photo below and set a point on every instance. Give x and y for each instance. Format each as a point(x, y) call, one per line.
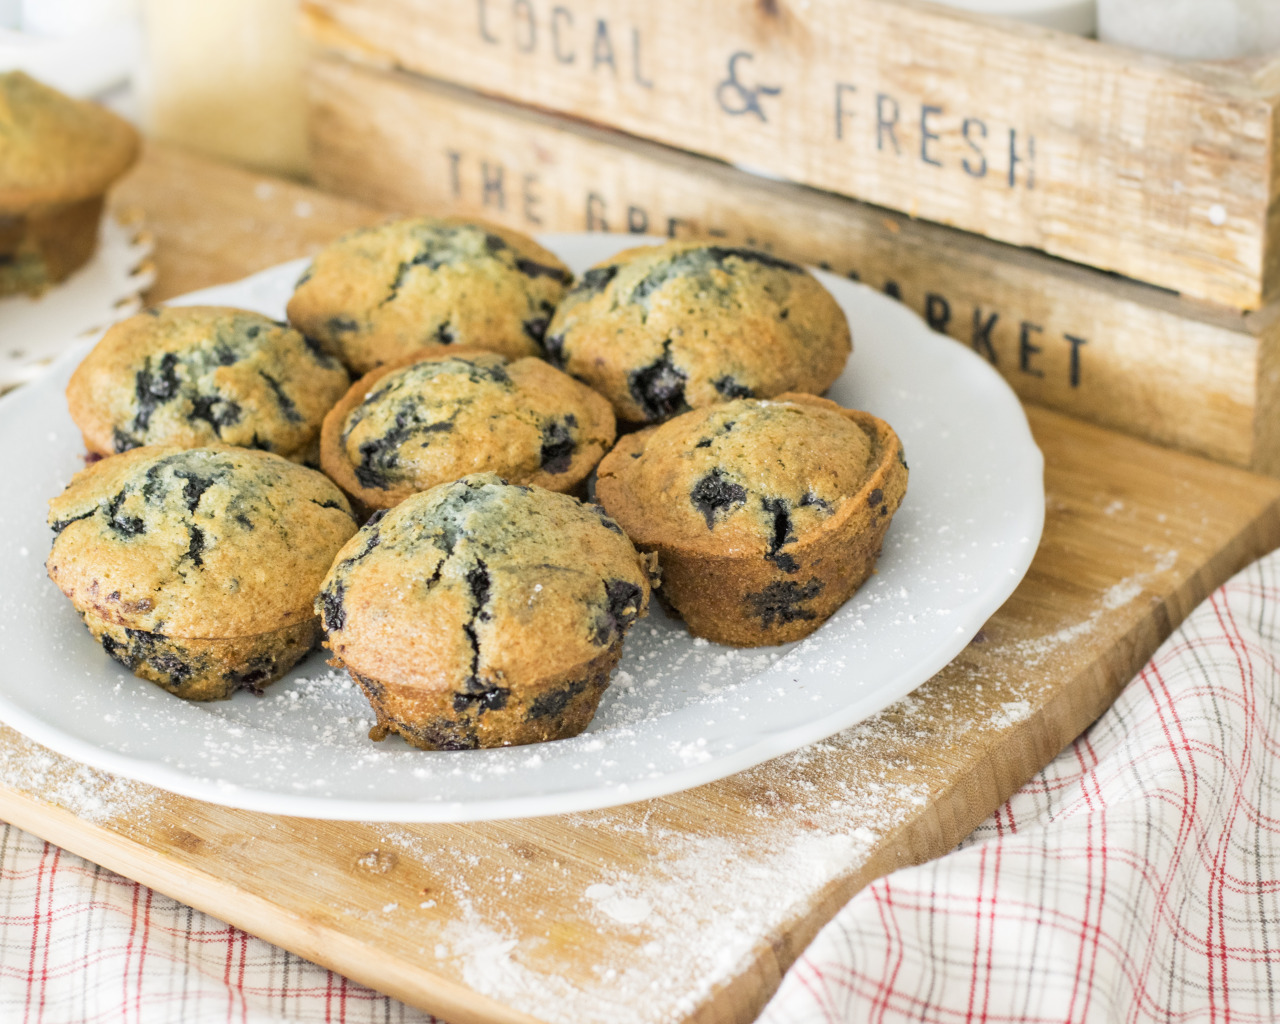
point(1110, 351)
point(261, 221)
point(493, 922)
point(1158, 169)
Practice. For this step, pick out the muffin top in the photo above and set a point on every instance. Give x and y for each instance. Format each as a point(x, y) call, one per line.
point(664, 328)
point(745, 478)
point(380, 293)
point(198, 375)
point(197, 543)
point(478, 581)
point(444, 413)
point(56, 149)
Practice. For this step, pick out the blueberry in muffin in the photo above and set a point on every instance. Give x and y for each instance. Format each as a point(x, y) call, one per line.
point(197, 568)
point(765, 515)
point(662, 329)
point(482, 614)
point(199, 375)
point(380, 293)
point(446, 412)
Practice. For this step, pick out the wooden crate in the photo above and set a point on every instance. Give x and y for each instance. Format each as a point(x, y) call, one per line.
point(1160, 170)
point(1107, 350)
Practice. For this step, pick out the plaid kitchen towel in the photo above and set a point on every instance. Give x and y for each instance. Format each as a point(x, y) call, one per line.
point(1135, 879)
point(81, 945)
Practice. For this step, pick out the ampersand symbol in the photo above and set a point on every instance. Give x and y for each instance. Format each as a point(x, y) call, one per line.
point(735, 98)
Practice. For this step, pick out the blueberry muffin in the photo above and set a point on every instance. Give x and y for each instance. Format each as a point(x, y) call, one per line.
point(765, 515)
point(198, 375)
point(58, 156)
point(662, 329)
point(449, 411)
point(380, 293)
point(484, 614)
point(197, 568)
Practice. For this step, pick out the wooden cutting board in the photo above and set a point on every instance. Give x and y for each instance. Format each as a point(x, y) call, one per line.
point(689, 907)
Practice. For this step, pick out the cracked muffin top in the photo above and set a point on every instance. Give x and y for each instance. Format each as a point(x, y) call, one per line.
point(446, 412)
point(205, 542)
point(55, 149)
point(199, 375)
point(661, 329)
point(478, 585)
point(380, 293)
point(747, 477)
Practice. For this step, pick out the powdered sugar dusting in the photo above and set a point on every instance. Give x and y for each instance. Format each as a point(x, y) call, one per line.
point(86, 792)
point(611, 901)
point(688, 906)
point(1127, 590)
point(1011, 713)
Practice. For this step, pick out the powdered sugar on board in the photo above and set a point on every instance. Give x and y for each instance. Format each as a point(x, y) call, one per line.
point(1113, 598)
point(87, 793)
point(692, 910)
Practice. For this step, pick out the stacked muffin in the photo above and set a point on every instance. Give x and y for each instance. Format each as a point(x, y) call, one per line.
point(482, 603)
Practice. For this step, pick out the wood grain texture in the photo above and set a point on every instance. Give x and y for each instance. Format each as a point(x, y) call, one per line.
point(500, 921)
point(1160, 170)
point(259, 221)
point(1110, 351)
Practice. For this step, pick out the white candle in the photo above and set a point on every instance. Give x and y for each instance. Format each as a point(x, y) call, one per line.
point(225, 77)
point(68, 17)
point(1196, 29)
point(1066, 15)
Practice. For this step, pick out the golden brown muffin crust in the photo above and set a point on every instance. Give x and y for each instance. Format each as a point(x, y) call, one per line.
point(57, 158)
point(765, 516)
point(196, 669)
point(448, 411)
point(744, 477)
point(55, 149)
point(208, 543)
point(479, 611)
point(199, 375)
point(380, 293)
point(661, 329)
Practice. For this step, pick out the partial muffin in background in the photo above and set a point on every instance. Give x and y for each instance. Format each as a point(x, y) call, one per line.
point(380, 293)
point(58, 157)
point(197, 568)
point(484, 614)
point(198, 375)
point(662, 329)
point(765, 515)
point(446, 412)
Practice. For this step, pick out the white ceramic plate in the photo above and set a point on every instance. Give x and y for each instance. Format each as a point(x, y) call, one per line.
point(680, 712)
